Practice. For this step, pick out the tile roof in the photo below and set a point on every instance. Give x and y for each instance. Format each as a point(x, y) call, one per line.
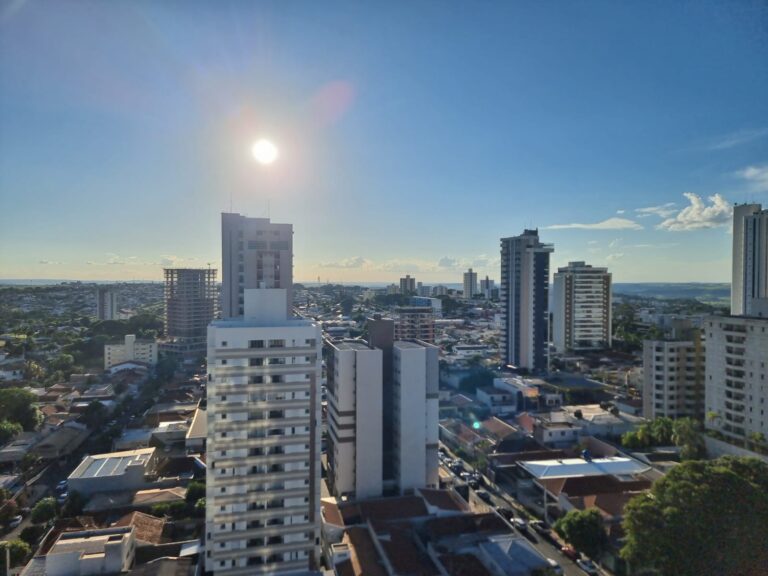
point(365, 559)
point(146, 528)
point(444, 499)
point(463, 565)
point(438, 528)
point(383, 509)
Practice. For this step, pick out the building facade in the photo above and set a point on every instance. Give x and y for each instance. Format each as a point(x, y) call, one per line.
point(581, 308)
point(263, 444)
point(407, 285)
point(737, 376)
point(355, 418)
point(415, 414)
point(673, 374)
point(487, 287)
point(750, 259)
point(415, 323)
point(190, 305)
point(132, 349)
point(470, 284)
point(525, 297)
point(107, 303)
point(256, 253)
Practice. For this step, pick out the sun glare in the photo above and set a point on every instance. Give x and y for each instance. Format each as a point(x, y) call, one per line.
point(264, 151)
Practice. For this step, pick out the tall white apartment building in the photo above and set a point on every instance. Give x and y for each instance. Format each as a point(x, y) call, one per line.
point(132, 349)
point(355, 418)
point(736, 389)
point(750, 259)
point(415, 414)
point(581, 308)
point(470, 284)
point(673, 374)
point(107, 303)
point(255, 253)
point(263, 444)
point(525, 297)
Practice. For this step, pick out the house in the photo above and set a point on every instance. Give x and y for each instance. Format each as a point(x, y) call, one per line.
point(63, 441)
point(100, 551)
point(115, 471)
point(499, 402)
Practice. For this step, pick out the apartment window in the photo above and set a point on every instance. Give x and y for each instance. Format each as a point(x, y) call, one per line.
point(224, 344)
point(256, 361)
point(223, 361)
point(256, 344)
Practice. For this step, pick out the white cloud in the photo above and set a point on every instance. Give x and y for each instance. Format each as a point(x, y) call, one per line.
point(354, 262)
point(699, 214)
point(662, 211)
point(615, 256)
point(46, 262)
point(620, 211)
point(614, 243)
point(756, 177)
point(737, 139)
point(609, 224)
point(446, 262)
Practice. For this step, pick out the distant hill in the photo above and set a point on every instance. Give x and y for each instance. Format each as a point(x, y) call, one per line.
point(706, 292)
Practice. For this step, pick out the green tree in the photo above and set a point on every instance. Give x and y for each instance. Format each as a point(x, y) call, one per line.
point(19, 552)
point(44, 510)
point(705, 518)
point(661, 430)
point(7, 511)
point(200, 507)
point(584, 530)
point(74, 505)
point(63, 362)
point(17, 405)
point(31, 534)
point(195, 491)
point(687, 435)
point(95, 414)
point(9, 430)
point(33, 370)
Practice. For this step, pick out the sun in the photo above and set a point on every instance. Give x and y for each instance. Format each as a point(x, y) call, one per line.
point(264, 151)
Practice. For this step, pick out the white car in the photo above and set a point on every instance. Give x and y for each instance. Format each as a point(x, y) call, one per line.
point(15, 522)
point(554, 567)
point(587, 566)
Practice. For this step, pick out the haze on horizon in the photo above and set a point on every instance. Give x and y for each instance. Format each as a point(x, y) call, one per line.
point(411, 137)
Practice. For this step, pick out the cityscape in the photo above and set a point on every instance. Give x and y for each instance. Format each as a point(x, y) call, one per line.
point(298, 371)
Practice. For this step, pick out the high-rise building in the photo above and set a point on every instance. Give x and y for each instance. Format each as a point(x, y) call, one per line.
point(423, 290)
point(581, 314)
point(355, 418)
point(190, 305)
point(673, 374)
point(750, 259)
point(737, 376)
point(415, 323)
point(470, 284)
point(415, 414)
point(486, 287)
point(525, 295)
point(263, 444)
point(410, 408)
point(407, 285)
point(440, 290)
point(107, 303)
point(256, 253)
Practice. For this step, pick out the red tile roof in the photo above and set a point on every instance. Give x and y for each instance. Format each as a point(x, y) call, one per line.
point(444, 499)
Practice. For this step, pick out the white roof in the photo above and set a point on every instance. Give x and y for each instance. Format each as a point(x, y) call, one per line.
point(112, 464)
point(574, 467)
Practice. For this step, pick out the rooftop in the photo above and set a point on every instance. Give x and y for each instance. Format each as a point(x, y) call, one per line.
point(571, 467)
point(199, 427)
point(111, 464)
point(90, 542)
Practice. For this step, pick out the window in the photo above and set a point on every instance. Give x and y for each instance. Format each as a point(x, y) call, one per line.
point(256, 361)
point(224, 344)
point(223, 361)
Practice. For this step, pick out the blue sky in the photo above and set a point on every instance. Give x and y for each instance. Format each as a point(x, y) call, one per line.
point(412, 135)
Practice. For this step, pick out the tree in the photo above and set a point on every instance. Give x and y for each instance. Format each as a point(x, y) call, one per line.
point(17, 405)
point(63, 362)
point(44, 510)
point(661, 430)
point(195, 491)
point(31, 534)
point(19, 552)
point(717, 508)
point(95, 414)
point(200, 507)
point(74, 505)
point(7, 511)
point(583, 529)
point(9, 430)
point(33, 371)
point(687, 434)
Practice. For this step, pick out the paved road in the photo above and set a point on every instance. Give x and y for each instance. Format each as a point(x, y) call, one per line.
point(502, 499)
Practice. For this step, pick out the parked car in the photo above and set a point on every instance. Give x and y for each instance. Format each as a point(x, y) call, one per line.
point(62, 497)
point(570, 552)
point(15, 522)
point(587, 566)
point(505, 512)
point(554, 567)
point(484, 496)
point(62, 486)
point(539, 527)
